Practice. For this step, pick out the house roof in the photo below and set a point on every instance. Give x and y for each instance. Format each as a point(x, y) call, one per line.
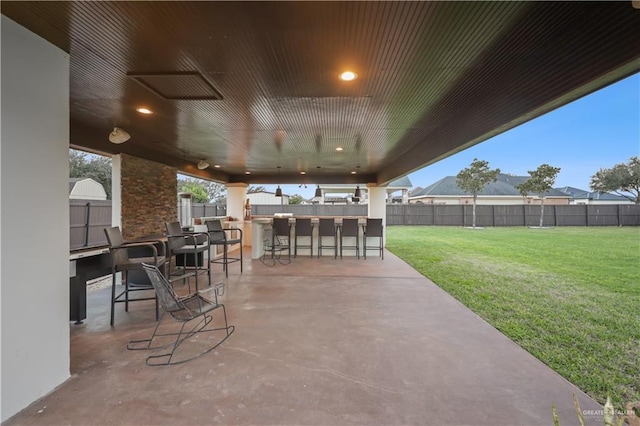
point(505, 185)
point(401, 183)
point(581, 194)
point(74, 181)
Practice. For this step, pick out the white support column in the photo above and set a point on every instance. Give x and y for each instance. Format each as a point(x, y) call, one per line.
point(236, 195)
point(34, 182)
point(377, 205)
point(116, 191)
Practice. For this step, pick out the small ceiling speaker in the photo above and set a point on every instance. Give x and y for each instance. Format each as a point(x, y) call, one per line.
point(202, 164)
point(119, 136)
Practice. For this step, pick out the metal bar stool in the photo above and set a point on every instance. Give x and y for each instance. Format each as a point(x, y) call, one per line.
point(219, 236)
point(373, 229)
point(304, 228)
point(349, 229)
point(191, 245)
point(327, 228)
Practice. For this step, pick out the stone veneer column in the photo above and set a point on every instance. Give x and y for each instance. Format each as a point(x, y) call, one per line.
point(146, 197)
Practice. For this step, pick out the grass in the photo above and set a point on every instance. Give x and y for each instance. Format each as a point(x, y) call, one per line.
point(569, 296)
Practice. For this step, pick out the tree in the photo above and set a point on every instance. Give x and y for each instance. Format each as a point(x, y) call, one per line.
point(96, 167)
point(623, 179)
point(474, 178)
point(204, 191)
point(296, 199)
point(252, 189)
point(541, 180)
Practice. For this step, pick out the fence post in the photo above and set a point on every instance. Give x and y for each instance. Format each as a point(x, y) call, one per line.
point(619, 220)
point(555, 215)
point(86, 227)
point(586, 211)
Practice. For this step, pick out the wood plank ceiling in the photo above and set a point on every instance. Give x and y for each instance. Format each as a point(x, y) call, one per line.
point(433, 78)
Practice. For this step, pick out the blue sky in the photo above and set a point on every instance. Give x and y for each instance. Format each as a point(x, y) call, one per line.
point(596, 131)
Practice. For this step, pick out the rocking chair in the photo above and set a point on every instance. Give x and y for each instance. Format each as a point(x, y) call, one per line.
point(196, 306)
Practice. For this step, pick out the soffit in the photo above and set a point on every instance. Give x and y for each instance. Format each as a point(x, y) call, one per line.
point(433, 78)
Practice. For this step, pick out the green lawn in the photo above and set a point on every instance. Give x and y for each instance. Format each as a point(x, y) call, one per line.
point(570, 296)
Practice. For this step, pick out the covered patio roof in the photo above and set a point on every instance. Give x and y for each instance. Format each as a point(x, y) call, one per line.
point(317, 342)
point(253, 86)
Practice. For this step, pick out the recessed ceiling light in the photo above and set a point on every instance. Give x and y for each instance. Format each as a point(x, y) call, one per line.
point(339, 148)
point(217, 166)
point(143, 110)
point(353, 172)
point(247, 173)
point(303, 173)
point(348, 76)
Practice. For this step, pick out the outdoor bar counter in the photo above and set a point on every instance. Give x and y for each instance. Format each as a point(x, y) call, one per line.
point(261, 223)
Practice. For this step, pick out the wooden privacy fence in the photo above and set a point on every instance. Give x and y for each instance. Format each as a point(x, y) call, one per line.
point(88, 218)
point(486, 215)
point(514, 215)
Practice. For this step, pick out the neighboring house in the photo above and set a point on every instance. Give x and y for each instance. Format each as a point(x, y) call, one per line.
point(580, 196)
point(503, 191)
point(86, 189)
point(265, 197)
point(343, 193)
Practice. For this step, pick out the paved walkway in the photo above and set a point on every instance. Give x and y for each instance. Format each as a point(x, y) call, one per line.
point(317, 342)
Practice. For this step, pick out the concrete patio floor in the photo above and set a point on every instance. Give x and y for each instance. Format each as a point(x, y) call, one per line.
point(317, 342)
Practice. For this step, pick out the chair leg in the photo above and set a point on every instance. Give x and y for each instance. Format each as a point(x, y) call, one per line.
point(113, 296)
point(225, 260)
point(241, 258)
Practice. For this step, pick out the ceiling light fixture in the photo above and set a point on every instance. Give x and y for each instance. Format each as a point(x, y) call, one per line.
point(353, 172)
point(339, 148)
point(217, 166)
point(247, 173)
point(358, 193)
point(118, 135)
point(318, 190)
point(278, 189)
point(348, 76)
point(144, 110)
point(202, 164)
point(303, 172)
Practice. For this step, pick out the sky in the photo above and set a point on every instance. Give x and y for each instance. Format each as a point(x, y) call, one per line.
point(596, 131)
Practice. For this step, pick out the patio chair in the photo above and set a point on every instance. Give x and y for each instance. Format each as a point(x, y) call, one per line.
point(349, 229)
point(327, 228)
point(193, 308)
point(304, 228)
point(219, 236)
point(127, 257)
point(192, 246)
point(373, 229)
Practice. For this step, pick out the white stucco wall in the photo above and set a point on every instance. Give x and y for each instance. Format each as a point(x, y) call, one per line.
point(34, 173)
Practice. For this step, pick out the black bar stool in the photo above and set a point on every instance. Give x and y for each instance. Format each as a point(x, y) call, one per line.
point(304, 228)
point(327, 228)
point(349, 229)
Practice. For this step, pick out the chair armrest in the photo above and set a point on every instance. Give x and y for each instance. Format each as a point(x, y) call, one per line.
point(195, 237)
point(150, 244)
point(232, 230)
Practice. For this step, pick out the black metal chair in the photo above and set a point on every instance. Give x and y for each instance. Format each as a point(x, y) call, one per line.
point(349, 229)
point(327, 228)
point(192, 246)
point(219, 236)
point(198, 306)
point(127, 257)
point(304, 228)
point(373, 229)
